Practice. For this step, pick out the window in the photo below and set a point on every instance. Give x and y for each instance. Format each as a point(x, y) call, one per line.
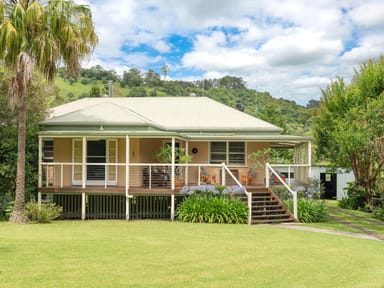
point(47, 150)
point(231, 153)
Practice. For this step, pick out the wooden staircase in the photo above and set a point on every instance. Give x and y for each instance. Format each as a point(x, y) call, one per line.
point(267, 208)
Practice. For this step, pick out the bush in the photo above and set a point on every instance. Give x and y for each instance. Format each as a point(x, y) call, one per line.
point(309, 211)
point(312, 189)
point(6, 207)
point(46, 213)
point(356, 197)
point(378, 213)
point(209, 208)
point(281, 192)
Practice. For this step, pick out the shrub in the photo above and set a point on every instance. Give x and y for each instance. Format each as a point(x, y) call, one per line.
point(6, 207)
point(378, 213)
point(46, 213)
point(312, 189)
point(281, 192)
point(210, 208)
point(309, 211)
point(356, 197)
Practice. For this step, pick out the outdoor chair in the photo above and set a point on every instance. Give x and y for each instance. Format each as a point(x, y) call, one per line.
point(206, 177)
point(251, 176)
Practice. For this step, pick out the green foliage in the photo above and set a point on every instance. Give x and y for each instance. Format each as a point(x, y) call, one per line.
point(209, 208)
point(378, 213)
point(6, 206)
point(349, 126)
point(45, 214)
point(8, 158)
point(281, 192)
point(270, 155)
point(309, 210)
point(356, 197)
point(312, 189)
point(95, 91)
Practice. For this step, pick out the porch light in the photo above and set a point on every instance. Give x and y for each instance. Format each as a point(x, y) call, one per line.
point(101, 128)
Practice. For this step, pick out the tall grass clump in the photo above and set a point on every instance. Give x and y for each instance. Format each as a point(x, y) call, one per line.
point(45, 214)
point(309, 210)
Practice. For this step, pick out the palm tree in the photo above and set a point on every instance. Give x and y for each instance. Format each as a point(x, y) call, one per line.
point(42, 36)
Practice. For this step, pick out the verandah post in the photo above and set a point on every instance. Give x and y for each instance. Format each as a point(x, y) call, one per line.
point(83, 206)
point(127, 160)
point(173, 206)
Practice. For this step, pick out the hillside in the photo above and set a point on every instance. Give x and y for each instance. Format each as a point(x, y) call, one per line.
point(232, 91)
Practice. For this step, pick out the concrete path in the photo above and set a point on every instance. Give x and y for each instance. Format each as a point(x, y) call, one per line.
point(299, 226)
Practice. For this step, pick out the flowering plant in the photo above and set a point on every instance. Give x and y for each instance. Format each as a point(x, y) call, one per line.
point(189, 190)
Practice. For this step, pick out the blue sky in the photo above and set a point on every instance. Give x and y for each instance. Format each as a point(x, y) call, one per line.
point(290, 49)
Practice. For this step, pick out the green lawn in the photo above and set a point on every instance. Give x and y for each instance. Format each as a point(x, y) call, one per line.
point(166, 254)
point(360, 221)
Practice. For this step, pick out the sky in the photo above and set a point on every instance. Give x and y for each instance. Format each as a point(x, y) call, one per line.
point(291, 49)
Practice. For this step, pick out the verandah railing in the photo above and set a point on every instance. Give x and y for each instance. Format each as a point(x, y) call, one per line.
point(153, 175)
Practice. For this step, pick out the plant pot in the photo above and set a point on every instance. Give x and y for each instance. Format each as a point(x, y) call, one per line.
point(179, 183)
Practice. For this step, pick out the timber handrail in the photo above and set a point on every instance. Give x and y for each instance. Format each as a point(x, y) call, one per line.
point(268, 168)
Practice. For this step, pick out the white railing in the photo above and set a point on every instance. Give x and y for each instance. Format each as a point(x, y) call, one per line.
point(269, 169)
point(148, 175)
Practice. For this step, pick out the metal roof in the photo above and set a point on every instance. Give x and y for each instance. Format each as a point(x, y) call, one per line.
point(190, 118)
point(165, 113)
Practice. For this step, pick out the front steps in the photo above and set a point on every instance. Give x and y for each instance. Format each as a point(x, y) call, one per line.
point(267, 207)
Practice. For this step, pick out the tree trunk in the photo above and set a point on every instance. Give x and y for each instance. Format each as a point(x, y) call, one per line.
point(18, 209)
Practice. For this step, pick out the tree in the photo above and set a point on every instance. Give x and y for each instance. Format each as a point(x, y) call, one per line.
point(349, 127)
point(95, 91)
point(34, 34)
point(165, 70)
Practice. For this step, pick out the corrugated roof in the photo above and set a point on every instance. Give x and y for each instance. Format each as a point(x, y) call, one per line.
point(166, 113)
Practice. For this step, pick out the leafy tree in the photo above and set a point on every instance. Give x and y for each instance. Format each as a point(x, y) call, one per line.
point(165, 70)
point(349, 128)
point(133, 78)
point(34, 34)
point(95, 91)
point(137, 92)
point(152, 79)
point(232, 83)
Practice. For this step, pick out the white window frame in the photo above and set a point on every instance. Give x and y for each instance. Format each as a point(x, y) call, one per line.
point(107, 157)
point(227, 153)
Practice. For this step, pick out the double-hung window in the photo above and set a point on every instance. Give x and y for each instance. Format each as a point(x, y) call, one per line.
point(231, 153)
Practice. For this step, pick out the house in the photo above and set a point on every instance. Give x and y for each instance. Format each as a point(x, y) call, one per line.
point(96, 155)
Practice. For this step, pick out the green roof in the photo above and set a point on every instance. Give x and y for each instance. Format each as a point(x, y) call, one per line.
point(165, 113)
point(187, 117)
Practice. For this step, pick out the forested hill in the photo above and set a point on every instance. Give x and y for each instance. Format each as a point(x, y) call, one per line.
point(230, 90)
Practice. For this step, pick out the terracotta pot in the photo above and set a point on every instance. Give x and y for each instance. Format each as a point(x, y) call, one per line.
point(179, 183)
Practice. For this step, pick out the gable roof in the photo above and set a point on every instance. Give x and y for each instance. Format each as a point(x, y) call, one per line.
point(177, 114)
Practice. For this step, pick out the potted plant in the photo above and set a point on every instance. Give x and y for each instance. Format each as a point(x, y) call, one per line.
point(164, 155)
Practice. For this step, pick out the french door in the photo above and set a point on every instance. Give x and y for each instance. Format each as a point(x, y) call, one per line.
point(100, 156)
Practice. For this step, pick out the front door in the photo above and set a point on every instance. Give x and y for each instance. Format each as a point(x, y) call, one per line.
point(96, 154)
point(100, 160)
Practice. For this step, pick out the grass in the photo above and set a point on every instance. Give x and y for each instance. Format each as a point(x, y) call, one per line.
point(361, 220)
point(166, 254)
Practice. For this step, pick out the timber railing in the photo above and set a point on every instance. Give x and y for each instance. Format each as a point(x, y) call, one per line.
point(270, 171)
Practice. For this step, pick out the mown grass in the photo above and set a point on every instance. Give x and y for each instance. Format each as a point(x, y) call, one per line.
point(166, 254)
point(362, 219)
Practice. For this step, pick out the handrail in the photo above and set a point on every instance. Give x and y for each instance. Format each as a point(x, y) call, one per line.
point(294, 193)
point(249, 195)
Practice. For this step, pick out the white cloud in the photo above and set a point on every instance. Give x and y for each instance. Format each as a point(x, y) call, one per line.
point(288, 48)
